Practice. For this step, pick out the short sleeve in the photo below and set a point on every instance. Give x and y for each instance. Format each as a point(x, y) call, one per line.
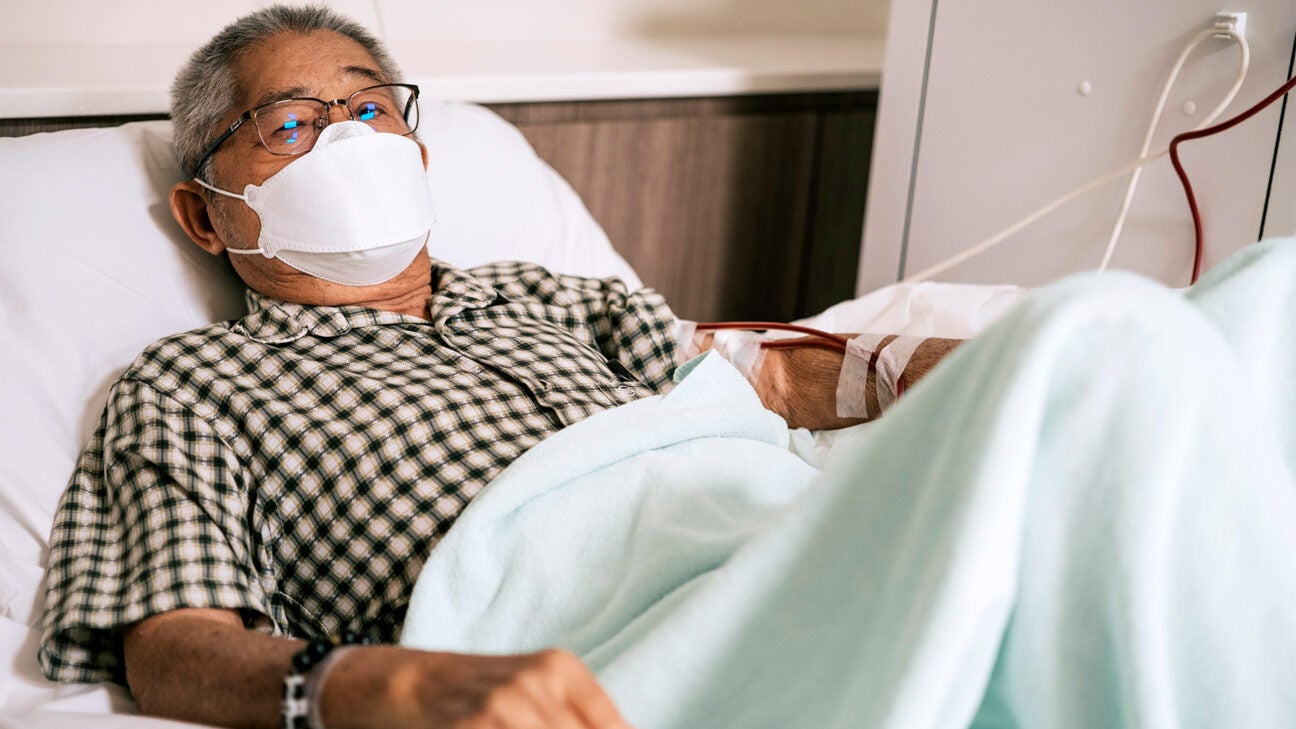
point(155, 518)
point(635, 328)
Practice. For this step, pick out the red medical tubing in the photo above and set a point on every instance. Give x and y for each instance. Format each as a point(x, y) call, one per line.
point(804, 342)
point(822, 339)
point(1208, 131)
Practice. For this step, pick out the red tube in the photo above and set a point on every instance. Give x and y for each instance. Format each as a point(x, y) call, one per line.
point(769, 325)
point(821, 339)
point(1208, 131)
point(807, 342)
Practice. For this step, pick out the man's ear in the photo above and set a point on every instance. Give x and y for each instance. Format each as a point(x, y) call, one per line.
point(422, 151)
point(189, 207)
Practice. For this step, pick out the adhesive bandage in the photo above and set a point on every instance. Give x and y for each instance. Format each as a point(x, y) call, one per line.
point(887, 361)
point(891, 364)
point(851, 399)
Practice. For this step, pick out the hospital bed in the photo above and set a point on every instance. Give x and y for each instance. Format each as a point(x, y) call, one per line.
point(94, 269)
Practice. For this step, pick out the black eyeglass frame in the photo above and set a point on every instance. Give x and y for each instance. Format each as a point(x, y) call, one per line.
point(250, 115)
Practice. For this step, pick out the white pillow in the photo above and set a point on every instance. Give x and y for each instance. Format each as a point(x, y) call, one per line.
point(93, 269)
point(497, 201)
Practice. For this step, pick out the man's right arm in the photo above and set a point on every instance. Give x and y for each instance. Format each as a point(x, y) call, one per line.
point(801, 383)
point(204, 666)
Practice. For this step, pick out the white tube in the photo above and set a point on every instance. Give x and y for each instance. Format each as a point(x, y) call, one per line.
point(1143, 160)
point(1006, 233)
point(1243, 68)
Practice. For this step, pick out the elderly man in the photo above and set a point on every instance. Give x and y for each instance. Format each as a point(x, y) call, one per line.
point(1084, 521)
point(259, 483)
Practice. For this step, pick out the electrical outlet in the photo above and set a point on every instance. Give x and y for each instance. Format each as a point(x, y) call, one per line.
point(1231, 21)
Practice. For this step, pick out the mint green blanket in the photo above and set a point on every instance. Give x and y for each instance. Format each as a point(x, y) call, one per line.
point(1086, 517)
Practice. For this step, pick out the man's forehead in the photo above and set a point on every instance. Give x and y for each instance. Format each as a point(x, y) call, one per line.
point(356, 76)
point(321, 64)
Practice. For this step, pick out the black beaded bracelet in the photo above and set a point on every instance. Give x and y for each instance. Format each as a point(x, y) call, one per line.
point(296, 703)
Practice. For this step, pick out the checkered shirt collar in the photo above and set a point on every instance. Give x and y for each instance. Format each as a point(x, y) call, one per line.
point(455, 291)
point(273, 321)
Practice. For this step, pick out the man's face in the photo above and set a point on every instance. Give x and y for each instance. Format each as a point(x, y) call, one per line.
point(323, 65)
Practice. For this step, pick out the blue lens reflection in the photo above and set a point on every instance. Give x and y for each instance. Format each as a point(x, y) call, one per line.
point(291, 124)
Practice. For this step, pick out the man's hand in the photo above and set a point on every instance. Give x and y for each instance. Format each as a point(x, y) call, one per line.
point(204, 666)
point(800, 383)
point(547, 690)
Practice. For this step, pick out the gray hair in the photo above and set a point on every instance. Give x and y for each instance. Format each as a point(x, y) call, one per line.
point(205, 89)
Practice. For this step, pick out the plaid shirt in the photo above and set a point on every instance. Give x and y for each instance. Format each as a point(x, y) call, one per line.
point(298, 465)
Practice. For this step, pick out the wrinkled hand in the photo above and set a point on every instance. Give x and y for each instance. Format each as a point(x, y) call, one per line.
point(801, 385)
point(551, 689)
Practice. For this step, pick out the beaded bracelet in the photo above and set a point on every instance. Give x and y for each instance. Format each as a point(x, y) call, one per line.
point(297, 700)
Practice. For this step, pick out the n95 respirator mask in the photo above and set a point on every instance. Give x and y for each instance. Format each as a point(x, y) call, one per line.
point(355, 210)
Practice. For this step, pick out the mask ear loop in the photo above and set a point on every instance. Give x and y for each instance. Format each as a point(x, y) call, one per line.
point(215, 189)
point(240, 251)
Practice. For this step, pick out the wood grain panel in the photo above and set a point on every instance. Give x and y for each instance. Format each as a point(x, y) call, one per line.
point(634, 109)
point(709, 209)
point(836, 224)
point(23, 127)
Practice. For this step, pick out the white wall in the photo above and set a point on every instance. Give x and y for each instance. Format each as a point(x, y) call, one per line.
point(95, 57)
point(1003, 130)
point(151, 21)
point(503, 19)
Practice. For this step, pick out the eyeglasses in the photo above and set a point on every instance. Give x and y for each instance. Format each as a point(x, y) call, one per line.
point(291, 126)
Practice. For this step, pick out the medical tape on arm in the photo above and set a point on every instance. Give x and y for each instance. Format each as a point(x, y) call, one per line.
point(687, 341)
point(743, 351)
point(740, 347)
point(851, 399)
point(891, 364)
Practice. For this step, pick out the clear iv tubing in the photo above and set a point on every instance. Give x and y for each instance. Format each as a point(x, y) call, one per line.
point(1156, 120)
point(1005, 234)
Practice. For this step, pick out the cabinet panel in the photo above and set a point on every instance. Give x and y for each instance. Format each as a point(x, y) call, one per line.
point(836, 224)
point(734, 208)
point(705, 208)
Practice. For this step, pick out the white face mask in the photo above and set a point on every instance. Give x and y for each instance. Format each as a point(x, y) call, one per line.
point(355, 210)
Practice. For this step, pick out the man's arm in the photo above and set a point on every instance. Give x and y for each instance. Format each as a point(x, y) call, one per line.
point(801, 383)
point(204, 666)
